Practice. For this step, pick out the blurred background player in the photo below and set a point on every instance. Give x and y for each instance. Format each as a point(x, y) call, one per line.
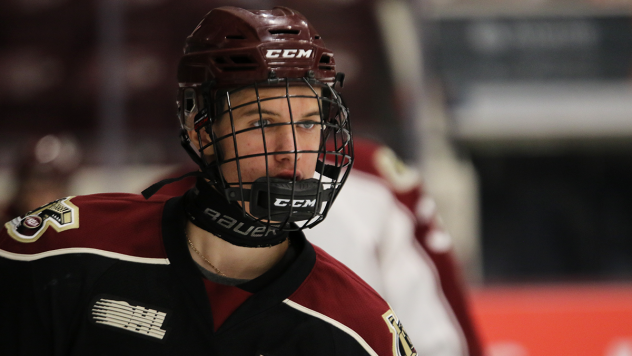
point(41, 173)
point(394, 240)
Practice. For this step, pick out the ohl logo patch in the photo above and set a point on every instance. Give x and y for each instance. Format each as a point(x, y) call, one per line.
point(61, 215)
point(402, 346)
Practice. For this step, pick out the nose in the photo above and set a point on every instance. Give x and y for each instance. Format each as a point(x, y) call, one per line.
point(286, 143)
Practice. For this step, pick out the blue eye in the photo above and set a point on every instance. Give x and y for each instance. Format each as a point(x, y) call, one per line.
point(259, 123)
point(306, 124)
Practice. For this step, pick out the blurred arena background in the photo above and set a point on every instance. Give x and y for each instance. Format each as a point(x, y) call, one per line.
point(518, 113)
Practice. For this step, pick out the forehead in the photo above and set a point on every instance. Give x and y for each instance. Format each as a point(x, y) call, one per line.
point(249, 94)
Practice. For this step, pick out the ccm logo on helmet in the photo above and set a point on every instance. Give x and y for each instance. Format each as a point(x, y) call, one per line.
point(298, 203)
point(288, 53)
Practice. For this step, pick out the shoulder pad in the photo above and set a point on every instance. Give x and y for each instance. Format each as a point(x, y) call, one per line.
point(119, 223)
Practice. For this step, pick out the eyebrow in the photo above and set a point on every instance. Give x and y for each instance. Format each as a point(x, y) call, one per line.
point(256, 111)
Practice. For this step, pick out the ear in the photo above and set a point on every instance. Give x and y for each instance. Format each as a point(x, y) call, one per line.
point(194, 136)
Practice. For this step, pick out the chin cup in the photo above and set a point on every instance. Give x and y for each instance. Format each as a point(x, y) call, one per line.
point(277, 199)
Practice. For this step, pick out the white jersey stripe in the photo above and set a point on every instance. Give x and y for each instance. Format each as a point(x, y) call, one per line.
point(94, 251)
point(333, 322)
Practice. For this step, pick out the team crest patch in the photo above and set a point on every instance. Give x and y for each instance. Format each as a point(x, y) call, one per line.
point(61, 215)
point(402, 346)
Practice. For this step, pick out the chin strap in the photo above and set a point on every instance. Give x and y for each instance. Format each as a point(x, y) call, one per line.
point(210, 211)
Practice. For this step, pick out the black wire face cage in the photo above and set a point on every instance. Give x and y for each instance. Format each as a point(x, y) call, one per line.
point(288, 202)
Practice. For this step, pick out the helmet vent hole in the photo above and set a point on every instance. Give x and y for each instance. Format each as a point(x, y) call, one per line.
point(317, 37)
point(235, 37)
point(325, 59)
point(238, 69)
point(241, 60)
point(219, 60)
point(284, 32)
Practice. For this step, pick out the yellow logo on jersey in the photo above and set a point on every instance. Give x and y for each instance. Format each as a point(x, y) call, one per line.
point(401, 342)
point(61, 215)
point(400, 176)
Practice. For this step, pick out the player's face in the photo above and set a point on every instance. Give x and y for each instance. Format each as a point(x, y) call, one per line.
point(283, 143)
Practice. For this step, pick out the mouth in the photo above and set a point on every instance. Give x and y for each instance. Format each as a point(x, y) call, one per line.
point(289, 175)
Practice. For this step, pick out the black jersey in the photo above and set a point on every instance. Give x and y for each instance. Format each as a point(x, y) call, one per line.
point(111, 274)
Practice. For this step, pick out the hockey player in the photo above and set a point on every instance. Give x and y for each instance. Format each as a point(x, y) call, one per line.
point(224, 269)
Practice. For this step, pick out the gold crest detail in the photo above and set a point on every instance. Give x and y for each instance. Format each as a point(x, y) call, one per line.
point(61, 215)
point(402, 346)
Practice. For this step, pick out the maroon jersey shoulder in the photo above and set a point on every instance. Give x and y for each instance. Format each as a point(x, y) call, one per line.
point(115, 222)
point(337, 295)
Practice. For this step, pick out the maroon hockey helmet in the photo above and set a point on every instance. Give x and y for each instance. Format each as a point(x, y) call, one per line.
point(234, 49)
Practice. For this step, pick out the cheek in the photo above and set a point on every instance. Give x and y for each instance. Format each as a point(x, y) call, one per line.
point(251, 168)
point(246, 144)
point(250, 144)
point(311, 140)
point(311, 143)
